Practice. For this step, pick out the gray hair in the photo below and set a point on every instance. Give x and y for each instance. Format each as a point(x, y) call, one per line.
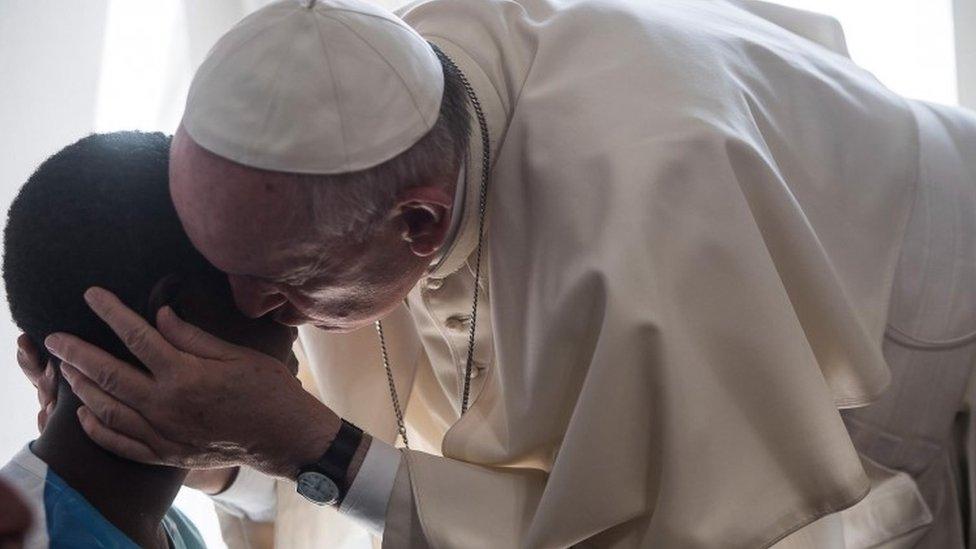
point(353, 205)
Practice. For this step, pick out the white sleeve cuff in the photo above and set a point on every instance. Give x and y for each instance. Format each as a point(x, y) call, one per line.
point(369, 495)
point(251, 496)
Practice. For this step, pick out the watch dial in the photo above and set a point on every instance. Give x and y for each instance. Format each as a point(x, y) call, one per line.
point(318, 488)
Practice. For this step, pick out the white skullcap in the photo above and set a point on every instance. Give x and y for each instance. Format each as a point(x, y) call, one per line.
point(315, 87)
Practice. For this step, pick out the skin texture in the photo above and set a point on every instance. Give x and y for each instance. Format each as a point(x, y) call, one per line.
point(42, 376)
point(253, 225)
point(133, 496)
point(45, 380)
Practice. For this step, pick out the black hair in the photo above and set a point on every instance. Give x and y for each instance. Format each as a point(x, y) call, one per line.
point(97, 213)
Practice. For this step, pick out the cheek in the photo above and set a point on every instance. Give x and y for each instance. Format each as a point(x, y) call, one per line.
point(324, 303)
point(311, 293)
point(255, 298)
point(247, 289)
point(308, 301)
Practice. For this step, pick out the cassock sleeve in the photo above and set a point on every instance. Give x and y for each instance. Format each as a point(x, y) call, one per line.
point(251, 496)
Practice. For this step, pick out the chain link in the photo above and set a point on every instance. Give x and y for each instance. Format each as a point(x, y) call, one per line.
point(397, 411)
point(482, 209)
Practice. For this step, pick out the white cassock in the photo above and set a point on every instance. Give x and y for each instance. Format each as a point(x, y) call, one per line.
point(701, 226)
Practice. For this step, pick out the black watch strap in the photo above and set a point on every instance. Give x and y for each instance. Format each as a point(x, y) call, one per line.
point(334, 463)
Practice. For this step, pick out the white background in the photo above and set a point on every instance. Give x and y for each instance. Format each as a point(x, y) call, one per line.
point(68, 68)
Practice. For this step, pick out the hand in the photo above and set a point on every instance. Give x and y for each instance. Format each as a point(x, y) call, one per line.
point(203, 404)
point(42, 376)
point(44, 379)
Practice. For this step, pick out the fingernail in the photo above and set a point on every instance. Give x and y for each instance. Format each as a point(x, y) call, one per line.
point(91, 295)
point(165, 311)
point(49, 408)
point(52, 342)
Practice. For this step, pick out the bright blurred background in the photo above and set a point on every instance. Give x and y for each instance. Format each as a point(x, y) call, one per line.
point(72, 67)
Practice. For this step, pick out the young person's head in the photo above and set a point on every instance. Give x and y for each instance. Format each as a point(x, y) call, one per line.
point(98, 213)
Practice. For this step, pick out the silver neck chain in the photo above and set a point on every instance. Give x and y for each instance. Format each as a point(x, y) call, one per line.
point(482, 208)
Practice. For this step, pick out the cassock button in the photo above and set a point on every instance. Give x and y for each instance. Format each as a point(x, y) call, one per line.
point(476, 369)
point(435, 283)
point(457, 323)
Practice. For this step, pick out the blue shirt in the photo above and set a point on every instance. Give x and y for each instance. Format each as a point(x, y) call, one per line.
point(64, 519)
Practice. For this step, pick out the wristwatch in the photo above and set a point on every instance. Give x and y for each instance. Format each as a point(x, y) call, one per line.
point(324, 482)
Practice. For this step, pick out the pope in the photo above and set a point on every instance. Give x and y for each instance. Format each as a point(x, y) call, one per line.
point(597, 273)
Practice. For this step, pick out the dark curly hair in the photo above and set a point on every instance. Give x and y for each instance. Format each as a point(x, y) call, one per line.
point(97, 213)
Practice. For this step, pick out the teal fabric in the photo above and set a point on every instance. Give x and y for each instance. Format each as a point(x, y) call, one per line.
point(73, 523)
point(182, 533)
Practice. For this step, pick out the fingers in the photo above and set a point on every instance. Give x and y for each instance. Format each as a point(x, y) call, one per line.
point(115, 442)
point(42, 376)
point(29, 359)
point(141, 339)
point(190, 339)
point(43, 416)
point(110, 412)
point(118, 378)
point(47, 385)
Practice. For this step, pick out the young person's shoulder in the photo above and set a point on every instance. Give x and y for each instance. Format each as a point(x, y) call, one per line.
point(26, 473)
point(182, 532)
point(63, 518)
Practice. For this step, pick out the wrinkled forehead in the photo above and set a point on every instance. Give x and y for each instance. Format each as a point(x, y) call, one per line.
point(243, 220)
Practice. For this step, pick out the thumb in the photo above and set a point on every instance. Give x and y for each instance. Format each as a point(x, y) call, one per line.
point(190, 339)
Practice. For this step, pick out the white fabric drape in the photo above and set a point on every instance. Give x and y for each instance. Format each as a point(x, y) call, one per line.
point(63, 62)
point(964, 14)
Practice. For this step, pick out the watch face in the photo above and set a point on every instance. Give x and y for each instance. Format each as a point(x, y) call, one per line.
point(318, 488)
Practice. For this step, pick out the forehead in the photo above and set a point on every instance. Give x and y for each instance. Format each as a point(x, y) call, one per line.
point(243, 220)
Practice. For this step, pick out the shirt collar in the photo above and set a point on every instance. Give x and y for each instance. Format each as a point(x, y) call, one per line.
point(463, 237)
point(457, 212)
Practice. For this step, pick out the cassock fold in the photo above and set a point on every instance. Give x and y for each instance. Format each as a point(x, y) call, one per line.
point(695, 221)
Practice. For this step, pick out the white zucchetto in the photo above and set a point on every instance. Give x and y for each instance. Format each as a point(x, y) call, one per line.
point(315, 87)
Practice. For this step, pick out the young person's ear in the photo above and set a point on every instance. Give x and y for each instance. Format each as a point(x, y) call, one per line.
point(424, 215)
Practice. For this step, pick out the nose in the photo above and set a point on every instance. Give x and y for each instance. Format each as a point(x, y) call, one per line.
point(253, 297)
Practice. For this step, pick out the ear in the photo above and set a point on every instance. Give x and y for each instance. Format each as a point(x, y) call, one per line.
point(424, 217)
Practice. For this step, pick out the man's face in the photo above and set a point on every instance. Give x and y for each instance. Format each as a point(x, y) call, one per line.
point(206, 302)
point(261, 334)
point(258, 228)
